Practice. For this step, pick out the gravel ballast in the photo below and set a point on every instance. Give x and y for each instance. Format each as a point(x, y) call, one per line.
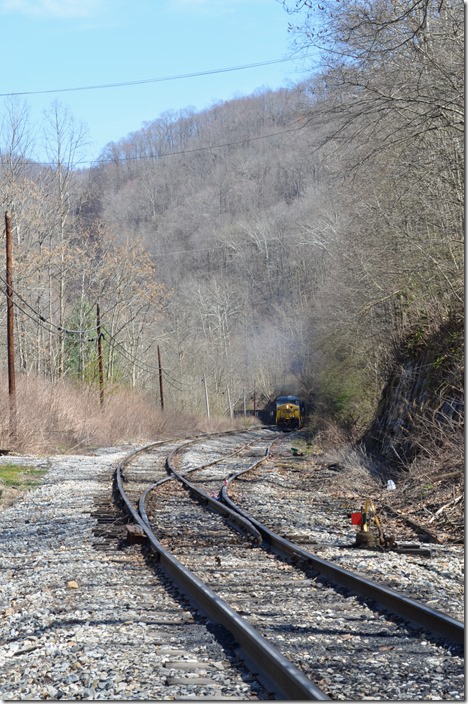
point(84, 623)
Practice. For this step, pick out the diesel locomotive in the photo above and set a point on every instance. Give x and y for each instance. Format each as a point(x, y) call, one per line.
point(289, 412)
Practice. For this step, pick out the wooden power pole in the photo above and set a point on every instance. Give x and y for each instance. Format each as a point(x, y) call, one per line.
point(207, 402)
point(231, 412)
point(10, 326)
point(99, 351)
point(161, 396)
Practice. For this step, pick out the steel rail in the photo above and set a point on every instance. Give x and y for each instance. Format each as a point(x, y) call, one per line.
point(159, 443)
point(143, 497)
point(411, 610)
point(275, 671)
point(234, 517)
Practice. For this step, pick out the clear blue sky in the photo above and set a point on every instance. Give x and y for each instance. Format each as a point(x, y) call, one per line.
point(62, 44)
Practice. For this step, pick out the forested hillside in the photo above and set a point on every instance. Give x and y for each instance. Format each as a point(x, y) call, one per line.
point(294, 240)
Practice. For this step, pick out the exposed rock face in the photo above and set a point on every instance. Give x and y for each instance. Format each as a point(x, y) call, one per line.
point(423, 400)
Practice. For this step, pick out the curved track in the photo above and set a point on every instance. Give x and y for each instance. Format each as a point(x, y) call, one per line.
point(288, 619)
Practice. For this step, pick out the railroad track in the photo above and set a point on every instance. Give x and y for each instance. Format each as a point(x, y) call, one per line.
point(312, 510)
point(290, 622)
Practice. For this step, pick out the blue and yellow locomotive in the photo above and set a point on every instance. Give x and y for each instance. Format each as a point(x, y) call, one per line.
point(289, 412)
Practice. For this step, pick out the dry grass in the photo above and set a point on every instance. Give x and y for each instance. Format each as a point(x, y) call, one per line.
point(355, 476)
point(432, 490)
point(429, 491)
point(64, 418)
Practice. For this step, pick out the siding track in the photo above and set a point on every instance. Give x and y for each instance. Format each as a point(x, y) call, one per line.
point(305, 638)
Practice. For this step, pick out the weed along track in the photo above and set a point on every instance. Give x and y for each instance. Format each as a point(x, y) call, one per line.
point(305, 626)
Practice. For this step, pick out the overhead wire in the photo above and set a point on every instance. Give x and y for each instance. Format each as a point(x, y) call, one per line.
point(147, 157)
point(158, 79)
point(244, 140)
point(52, 328)
point(34, 319)
point(37, 317)
point(184, 385)
point(59, 328)
point(145, 366)
point(143, 81)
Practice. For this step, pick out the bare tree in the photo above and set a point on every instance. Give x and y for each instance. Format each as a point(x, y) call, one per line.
point(63, 141)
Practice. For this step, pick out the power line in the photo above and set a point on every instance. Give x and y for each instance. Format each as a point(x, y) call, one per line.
point(145, 366)
point(184, 385)
point(59, 328)
point(244, 140)
point(118, 346)
point(34, 319)
point(143, 81)
point(147, 157)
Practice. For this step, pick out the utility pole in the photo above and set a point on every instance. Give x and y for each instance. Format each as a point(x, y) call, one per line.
point(231, 414)
point(160, 381)
point(99, 352)
point(10, 326)
point(206, 398)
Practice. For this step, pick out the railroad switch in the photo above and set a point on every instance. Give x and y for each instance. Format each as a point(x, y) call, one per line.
point(135, 534)
point(370, 535)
